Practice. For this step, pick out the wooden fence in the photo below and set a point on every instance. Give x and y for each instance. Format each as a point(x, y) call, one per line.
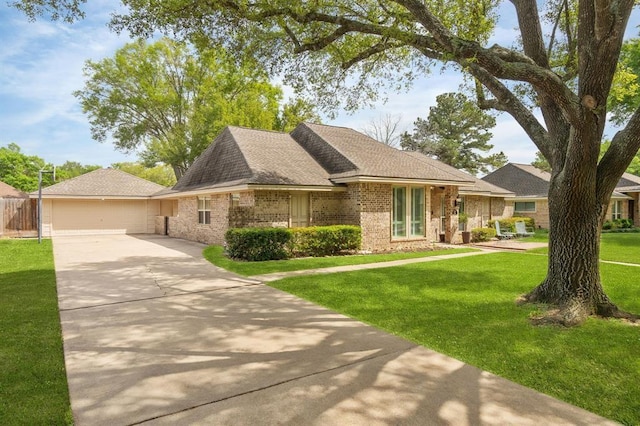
point(18, 216)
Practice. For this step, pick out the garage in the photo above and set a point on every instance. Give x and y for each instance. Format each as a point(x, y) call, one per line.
point(105, 201)
point(82, 217)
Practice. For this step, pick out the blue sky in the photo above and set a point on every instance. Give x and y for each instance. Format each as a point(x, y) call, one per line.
point(41, 65)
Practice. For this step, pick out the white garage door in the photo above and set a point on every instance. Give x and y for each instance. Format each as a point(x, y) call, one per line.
point(80, 217)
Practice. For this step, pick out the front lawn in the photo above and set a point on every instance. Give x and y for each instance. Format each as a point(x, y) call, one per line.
point(215, 255)
point(465, 308)
point(614, 247)
point(33, 382)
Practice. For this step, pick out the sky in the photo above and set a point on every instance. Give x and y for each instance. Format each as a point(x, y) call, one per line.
point(41, 66)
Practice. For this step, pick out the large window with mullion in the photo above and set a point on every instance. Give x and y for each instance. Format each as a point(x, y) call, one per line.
point(408, 214)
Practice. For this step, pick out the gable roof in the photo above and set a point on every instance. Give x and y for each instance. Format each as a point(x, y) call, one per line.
point(348, 155)
point(312, 155)
point(522, 179)
point(109, 183)
point(526, 180)
point(246, 156)
point(8, 191)
point(479, 187)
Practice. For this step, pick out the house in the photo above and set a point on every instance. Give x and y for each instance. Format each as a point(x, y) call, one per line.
point(104, 201)
point(531, 186)
point(17, 214)
point(326, 175)
point(315, 175)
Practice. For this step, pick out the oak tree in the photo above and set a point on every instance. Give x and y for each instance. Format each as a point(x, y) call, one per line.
point(345, 47)
point(168, 100)
point(344, 51)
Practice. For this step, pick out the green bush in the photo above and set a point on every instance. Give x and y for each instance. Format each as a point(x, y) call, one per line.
point(479, 235)
point(256, 244)
point(319, 241)
point(612, 225)
point(509, 224)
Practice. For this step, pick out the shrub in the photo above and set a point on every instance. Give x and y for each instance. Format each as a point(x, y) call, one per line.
point(479, 235)
point(509, 224)
point(617, 224)
point(325, 240)
point(255, 244)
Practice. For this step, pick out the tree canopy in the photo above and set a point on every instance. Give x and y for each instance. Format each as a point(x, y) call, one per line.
point(21, 170)
point(169, 100)
point(160, 173)
point(456, 132)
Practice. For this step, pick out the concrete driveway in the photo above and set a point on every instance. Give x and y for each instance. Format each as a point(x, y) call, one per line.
point(154, 334)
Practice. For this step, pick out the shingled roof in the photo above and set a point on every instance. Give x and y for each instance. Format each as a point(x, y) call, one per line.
point(111, 183)
point(522, 179)
point(245, 156)
point(526, 180)
point(628, 183)
point(8, 191)
point(347, 154)
point(479, 187)
point(311, 155)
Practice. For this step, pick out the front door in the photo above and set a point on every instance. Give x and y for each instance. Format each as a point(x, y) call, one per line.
point(299, 210)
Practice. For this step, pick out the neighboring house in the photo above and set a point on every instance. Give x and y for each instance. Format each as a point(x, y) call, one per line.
point(17, 214)
point(531, 187)
point(325, 175)
point(104, 201)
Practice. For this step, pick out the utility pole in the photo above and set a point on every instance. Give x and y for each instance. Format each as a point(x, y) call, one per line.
point(40, 199)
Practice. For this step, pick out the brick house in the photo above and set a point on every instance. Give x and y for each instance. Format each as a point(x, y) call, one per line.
point(531, 185)
point(326, 175)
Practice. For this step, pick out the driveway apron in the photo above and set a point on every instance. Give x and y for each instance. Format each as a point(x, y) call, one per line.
point(155, 334)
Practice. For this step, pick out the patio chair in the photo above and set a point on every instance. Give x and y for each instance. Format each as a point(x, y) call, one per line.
point(503, 235)
point(521, 230)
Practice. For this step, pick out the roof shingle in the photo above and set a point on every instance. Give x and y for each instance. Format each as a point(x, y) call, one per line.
point(346, 153)
point(103, 183)
point(8, 191)
point(246, 156)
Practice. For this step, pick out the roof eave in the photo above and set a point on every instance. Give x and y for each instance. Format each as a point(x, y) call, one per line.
point(90, 197)
point(399, 181)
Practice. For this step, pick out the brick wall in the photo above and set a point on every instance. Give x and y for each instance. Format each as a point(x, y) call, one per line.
point(541, 215)
point(185, 224)
point(333, 208)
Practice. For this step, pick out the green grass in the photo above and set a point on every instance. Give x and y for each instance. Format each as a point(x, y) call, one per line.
point(619, 247)
point(465, 308)
point(615, 247)
point(215, 255)
point(33, 383)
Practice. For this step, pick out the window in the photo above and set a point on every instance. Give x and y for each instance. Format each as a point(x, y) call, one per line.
point(235, 199)
point(616, 210)
point(204, 210)
point(408, 212)
point(399, 212)
point(461, 225)
point(417, 212)
point(525, 207)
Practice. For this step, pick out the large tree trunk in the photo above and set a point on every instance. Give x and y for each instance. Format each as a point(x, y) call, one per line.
point(576, 214)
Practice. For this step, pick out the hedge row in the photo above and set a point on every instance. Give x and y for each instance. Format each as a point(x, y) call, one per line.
point(257, 244)
point(617, 224)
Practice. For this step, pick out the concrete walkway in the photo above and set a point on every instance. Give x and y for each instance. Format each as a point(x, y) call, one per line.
point(154, 334)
